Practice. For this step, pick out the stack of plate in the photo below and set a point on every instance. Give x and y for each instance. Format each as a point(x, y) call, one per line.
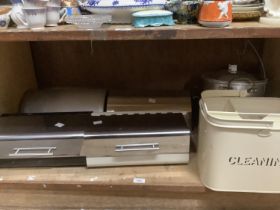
point(247, 9)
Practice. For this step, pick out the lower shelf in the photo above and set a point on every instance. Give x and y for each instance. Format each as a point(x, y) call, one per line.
point(165, 187)
point(168, 178)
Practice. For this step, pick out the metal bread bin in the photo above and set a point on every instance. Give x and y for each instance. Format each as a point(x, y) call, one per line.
point(63, 100)
point(42, 139)
point(238, 142)
point(121, 139)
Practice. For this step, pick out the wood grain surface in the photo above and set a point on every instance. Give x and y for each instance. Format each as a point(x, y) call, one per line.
point(127, 32)
point(142, 65)
point(16, 74)
point(173, 178)
point(166, 187)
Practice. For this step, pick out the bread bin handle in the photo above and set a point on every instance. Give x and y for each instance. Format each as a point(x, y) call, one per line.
point(32, 151)
point(137, 147)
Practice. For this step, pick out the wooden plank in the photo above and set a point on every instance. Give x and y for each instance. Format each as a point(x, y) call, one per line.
point(140, 65)
point(173, 178)
point(271, 60)
point(166, 187)
point(79, 199)
point(127, 32)
point(16, 74)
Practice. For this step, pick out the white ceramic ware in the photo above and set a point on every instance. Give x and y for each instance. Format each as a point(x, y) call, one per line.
point(4, 21)
point(35, 17)
point(273, 7)
point(55, 15)
point(54, 3)
point(243, 1)
point(121, 10)
point(17, 14)
point(273, 12)
point(34, 3)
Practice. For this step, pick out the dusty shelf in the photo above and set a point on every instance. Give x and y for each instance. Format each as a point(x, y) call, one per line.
point(127, 32)
point(170, 179)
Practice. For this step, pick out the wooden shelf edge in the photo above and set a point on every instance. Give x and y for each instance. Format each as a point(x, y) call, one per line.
point(127, 32)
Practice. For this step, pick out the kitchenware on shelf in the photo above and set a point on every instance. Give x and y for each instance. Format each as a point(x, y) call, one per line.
point(185, 12)
point(247, 11)
point(63, 100)
point(4, 20)
point(54, 3)
point(121, 10)
point(273, 12)
point(152, 18)
point(88, 21)
point(236, 80)
point(5, 12)
point(69, 3)
point(72, 11)
point(216, 13)
point(249, 15)
point(238, 142)
point(119, 139)
point(244, 2)
point(55, 15)
point(34, 3)
point(43, 140)
point(17, 14)
point(148, 101)
point(36, 18)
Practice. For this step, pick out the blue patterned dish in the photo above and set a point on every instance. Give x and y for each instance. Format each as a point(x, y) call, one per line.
point(120, 10)
point(152, 18)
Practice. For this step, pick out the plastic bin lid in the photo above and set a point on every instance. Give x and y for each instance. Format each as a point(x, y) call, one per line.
point(231, 108)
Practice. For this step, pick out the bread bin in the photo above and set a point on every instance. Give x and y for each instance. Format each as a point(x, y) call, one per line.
point(63, 99)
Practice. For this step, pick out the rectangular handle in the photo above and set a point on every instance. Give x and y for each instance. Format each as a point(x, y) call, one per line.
point(137, 147)
point(32, 151)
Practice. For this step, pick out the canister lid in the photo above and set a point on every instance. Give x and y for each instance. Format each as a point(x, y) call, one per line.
point(152, 13)
point(230, 75)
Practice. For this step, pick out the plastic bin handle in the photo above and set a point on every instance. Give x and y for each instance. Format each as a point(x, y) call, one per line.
point(245, 124)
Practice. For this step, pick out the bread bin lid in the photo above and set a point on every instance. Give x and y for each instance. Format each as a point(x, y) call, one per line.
point(232, 109)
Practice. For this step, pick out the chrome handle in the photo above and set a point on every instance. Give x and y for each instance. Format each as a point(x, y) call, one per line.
point(32, 151)
point(137, 147)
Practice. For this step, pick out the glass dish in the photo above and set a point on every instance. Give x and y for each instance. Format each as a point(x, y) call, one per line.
point(88, 21)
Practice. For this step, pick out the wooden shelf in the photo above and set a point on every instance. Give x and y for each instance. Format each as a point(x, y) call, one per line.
point(165, 187)
point(127, 32)
point(170, 179)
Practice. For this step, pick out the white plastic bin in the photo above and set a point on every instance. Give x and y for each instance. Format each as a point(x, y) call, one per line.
point(239, 142)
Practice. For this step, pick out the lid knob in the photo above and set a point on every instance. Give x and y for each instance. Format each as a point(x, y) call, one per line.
point(232, 69)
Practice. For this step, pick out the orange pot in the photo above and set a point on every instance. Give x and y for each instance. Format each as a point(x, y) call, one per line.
point(216, 13)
